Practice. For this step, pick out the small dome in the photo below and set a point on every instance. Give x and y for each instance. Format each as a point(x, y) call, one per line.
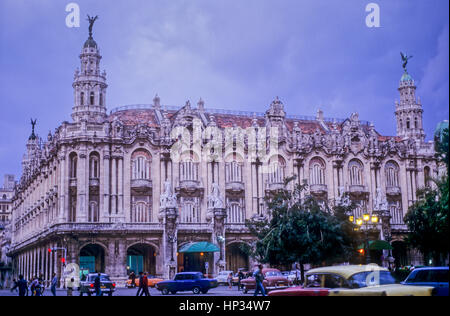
point(90, 43)
point(406, 77)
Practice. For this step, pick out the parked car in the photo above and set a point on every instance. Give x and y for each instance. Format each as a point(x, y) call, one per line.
point(187, 281)
point(436, 277)
point(152, 280)
point(369, 280)
point(273, 279)
point(106, 285)
point(222, 277)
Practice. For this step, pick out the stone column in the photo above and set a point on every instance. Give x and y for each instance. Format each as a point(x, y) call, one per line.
point(120, 209)
point(414, 185)
point(113, 187)
point(170, 242)
point(218, 237)
point(82, 188)
point(106, 186)
point(63, 182)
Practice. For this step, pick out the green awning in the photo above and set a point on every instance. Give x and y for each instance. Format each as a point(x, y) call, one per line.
point(198, 247)
point(377, 245)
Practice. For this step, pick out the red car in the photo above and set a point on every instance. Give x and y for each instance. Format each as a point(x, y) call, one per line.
point(273, 280)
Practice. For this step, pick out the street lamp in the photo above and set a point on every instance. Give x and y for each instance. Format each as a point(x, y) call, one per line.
point(367, 222)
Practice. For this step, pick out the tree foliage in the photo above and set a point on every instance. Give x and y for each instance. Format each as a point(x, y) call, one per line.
point(427, 219)
point(302, 230)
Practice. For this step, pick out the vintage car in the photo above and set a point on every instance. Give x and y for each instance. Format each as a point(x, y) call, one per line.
point(222, 277)
point(273, 279)
point(436, 277)
point(151, 281)
point(363, 280)
point(187, 281)
point(106, 285)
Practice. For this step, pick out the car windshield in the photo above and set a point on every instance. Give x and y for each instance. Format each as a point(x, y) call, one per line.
point(371, 278)
point(102, 278)
point(273, 273)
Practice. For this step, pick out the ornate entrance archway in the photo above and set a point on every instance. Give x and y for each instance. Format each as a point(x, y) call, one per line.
point(92, 258)
point(141, 258)
point(236, 258)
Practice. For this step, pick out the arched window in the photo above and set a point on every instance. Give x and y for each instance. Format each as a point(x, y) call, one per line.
point(427, 175)
point(235, 212)
point(94, 215)
point(408, 124)
point(141, 213)
point(82, 98)
point(356, 169)
point(141, 162)
point(94, 166)
point(189, 170)
point(233, 170)
point(92, 98)
point(317, 172)
point(416, 123)
point(101, 99)
point(277, 170)
point(190, 212)
point(391, 171)
point(401, 124)
point(73, 160)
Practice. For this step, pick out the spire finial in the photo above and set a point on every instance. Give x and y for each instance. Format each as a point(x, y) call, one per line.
point(33, 124)
point(91, 21)
point(405, 59)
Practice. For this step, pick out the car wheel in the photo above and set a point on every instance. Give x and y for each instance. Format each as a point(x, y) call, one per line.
point(165, 291)
point(205, 291)
point(173, 292)
point(196, 290)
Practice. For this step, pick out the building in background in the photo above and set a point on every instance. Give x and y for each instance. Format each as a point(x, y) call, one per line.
point(165, 189)
point(6, 195)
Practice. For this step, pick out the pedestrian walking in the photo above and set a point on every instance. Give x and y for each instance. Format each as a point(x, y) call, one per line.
point(141, 275)
point(230, 281)
point(145, 285)
point(259, 278)
point(241, 276)
point(97, 285)
point(33, 286)
point(22, 284)
point(54, 284)
point(15, 286)
point(133, 279)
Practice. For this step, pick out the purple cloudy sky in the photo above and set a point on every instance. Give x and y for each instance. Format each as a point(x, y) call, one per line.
point(235, 54)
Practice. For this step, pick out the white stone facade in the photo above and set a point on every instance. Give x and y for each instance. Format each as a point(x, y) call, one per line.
point(145, 180)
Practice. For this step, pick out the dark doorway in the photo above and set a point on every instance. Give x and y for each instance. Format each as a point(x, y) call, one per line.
point(92, 258)
point(236, 258)
point(141, 258)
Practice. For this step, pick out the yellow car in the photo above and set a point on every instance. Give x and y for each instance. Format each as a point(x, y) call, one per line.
point(151, 282)
point(361, 280)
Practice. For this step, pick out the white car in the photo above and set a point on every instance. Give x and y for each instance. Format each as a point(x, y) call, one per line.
point(222, 277)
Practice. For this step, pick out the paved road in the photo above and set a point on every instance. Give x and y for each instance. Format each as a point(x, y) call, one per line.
point(219, 291)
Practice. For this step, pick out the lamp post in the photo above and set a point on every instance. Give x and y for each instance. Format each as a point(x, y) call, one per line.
point(367, 222)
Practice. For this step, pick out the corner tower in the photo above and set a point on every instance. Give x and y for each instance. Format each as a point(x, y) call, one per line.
point(89, 84)
point(409, 110)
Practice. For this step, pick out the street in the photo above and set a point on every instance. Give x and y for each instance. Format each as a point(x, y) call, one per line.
point(219, 291)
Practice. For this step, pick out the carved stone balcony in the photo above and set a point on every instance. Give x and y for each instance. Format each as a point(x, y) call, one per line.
point(318, 189)
point(234, 187)
point(356, 189)
point(190, 186)
point(274, 186)
point(141, 185)
point(393, 191)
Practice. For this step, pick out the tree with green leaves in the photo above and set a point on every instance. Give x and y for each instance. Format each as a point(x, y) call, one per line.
point(298, 230)
point(427, 218)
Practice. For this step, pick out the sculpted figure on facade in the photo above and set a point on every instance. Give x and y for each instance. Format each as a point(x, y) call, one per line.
point(168, 198)
point(380, 201)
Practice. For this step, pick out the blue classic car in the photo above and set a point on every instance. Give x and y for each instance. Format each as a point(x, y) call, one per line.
point(436, 277)
point(187, 281)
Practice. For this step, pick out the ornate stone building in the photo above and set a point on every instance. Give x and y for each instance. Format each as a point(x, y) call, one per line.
point(132, 190)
